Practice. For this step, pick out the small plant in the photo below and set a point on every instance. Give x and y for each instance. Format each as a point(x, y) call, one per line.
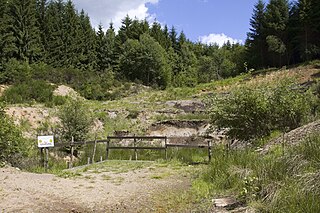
point(251, 189)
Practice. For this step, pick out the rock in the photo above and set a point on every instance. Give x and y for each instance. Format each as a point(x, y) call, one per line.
point(188, 106)
point(227, 203)
point(295, 136)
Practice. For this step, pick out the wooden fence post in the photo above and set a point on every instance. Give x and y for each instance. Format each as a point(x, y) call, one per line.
point(46, 163)
point(72, 150)
point(209, 150)
point(94, 148)
point(165, 148)
point(41, 157)
point(107, 148)
point(135, 150)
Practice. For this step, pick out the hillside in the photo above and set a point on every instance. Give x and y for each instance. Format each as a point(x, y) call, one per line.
point(173, 112)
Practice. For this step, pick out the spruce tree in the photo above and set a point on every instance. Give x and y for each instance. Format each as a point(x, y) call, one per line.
point(101, 49)
point(54, 38)
point(111, 57)
point(71, 35)
point(87, 43)
point(3, 7)
point(22, 36)
point(277, 16)
point(41, 6)
point(256, 43)
point(173, 38)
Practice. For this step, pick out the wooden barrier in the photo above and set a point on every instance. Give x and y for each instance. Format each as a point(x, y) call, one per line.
point(164, 145)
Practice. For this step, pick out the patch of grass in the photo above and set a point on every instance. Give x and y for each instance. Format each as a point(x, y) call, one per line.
point(118, 180)
point(106, 177)
point(275, 182)
point(159, 176)
point(68, 174)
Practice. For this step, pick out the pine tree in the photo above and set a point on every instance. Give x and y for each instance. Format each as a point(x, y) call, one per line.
point(255, 43)
point(167, 42)
point(173, 38)
point(3, 7)
point(124, 32)
point(41, 6)
point(101, 50)
point(22, 36)
point(87, 43)
point(55, 34)
point(277, 16)
point(111, 57)
point(181, 40)
point(309, 17)
point(71, 35)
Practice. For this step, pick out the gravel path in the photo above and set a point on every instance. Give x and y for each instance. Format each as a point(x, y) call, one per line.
point(95, 190)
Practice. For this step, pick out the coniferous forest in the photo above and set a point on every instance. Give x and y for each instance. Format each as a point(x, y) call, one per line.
point(52, 41)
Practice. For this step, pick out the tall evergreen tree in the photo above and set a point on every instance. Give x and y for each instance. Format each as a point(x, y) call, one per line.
point(256, 39)
point(87, 43)
point(277, 16)
point(111, 57)
point(41, 22)
point(124, 32)
point(22, 36)
point(173, 38)
point(3, 8)
point(101, 50)
point(71, 35)
point(55, 34)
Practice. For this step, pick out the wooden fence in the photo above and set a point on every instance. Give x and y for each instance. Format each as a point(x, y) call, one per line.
point(164, 145)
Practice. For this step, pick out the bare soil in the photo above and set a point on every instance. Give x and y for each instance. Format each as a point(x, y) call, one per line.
point(97, 190)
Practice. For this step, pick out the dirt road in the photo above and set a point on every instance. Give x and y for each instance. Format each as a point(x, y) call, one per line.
point(104, 188)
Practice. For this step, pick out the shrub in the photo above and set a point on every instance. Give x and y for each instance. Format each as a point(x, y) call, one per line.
point(10, 137)
point(248, 113)
point(75, 119)
point(26, 92)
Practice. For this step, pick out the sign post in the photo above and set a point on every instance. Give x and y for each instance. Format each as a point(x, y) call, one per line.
point(44, 142)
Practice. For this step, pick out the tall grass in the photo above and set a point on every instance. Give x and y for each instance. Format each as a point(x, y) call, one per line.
point(274, 182)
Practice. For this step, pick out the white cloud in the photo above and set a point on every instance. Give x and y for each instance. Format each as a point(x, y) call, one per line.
point(218, 39)
point(105, 11)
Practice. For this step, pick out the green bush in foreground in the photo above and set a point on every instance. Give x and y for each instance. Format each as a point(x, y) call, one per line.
point(10, 137)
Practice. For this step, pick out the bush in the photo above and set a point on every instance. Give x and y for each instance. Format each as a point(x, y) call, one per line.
point(248, 113)
point(10, 137)
point(33, 90)
point(75, 119)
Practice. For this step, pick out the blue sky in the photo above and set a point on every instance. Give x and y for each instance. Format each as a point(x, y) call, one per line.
point(201, 20)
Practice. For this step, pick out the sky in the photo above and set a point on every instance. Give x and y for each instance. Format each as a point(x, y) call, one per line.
point(207, 21)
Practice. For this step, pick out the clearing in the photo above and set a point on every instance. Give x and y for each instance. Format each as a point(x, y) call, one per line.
point(111, 186)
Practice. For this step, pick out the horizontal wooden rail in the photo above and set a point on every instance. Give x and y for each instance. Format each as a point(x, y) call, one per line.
point(163, 146)
point(137, 147)
point(187, 146)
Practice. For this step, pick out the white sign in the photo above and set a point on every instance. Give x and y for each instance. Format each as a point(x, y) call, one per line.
point(45, 141)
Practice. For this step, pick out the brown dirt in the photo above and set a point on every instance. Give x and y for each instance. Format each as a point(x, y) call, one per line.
point(93, 191)
point(63, 90)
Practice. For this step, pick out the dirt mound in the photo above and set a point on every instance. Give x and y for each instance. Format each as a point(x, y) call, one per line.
point(30, 117)
point(297, 135)
point(178, 128)
point(63, 90)
point(3, 88)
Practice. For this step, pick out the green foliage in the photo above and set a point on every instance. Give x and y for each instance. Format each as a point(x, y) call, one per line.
point(10, 137)
point(269, 183)
point(28, 92)
point(250, 113)
point(76, 120)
